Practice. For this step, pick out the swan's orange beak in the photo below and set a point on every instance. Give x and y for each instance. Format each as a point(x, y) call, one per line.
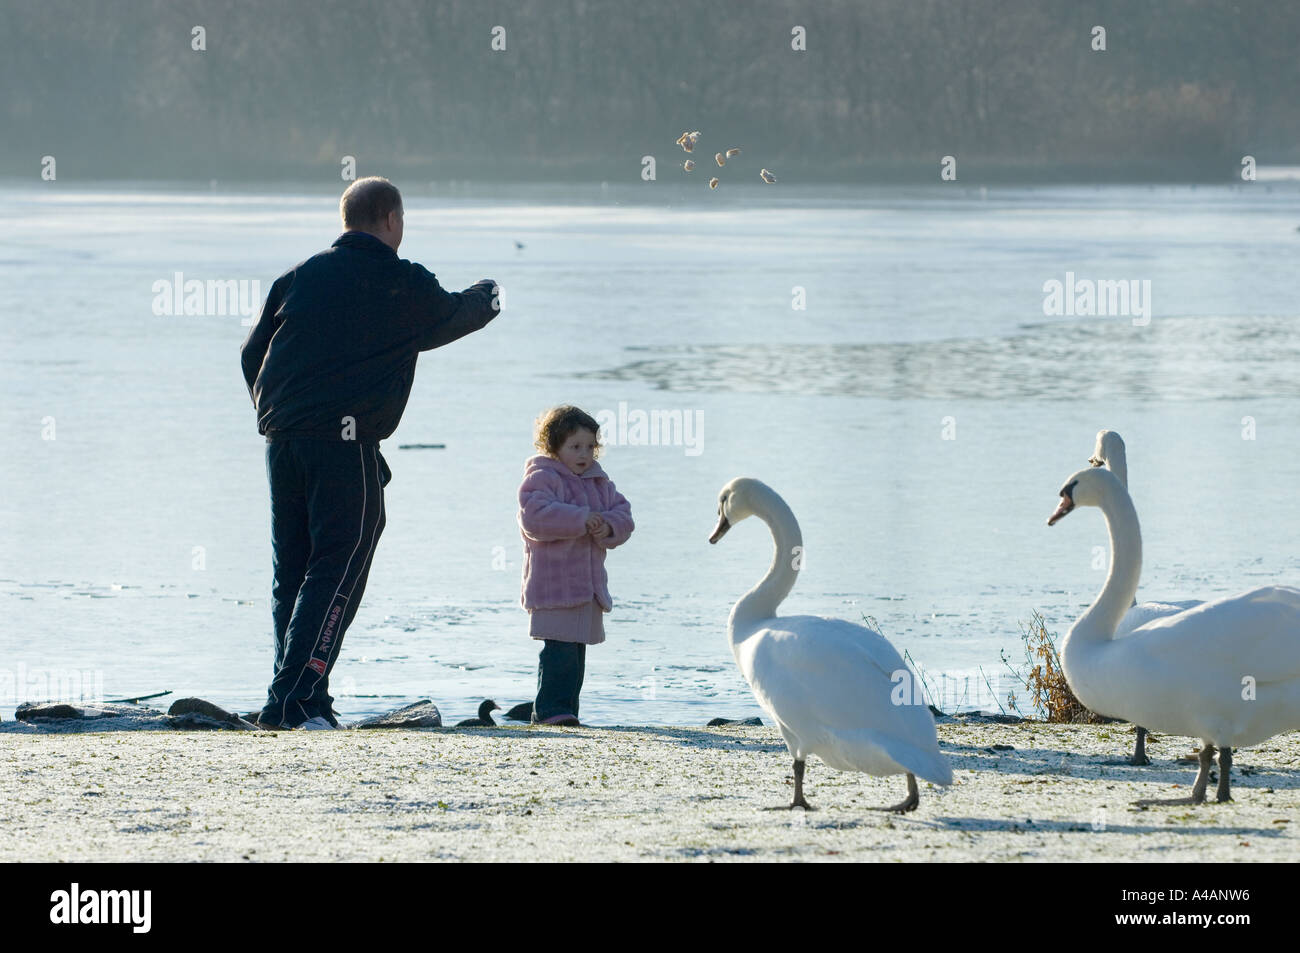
point(720, 530)
point(1067, 504)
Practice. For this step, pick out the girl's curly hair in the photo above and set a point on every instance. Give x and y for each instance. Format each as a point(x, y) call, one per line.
point(559, 423)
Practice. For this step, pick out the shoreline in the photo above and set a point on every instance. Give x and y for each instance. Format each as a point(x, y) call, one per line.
point(620, 794)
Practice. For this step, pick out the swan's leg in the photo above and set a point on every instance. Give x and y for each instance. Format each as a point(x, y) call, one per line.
point(1139, 756)
point(798, 788)
point(1140, 749)
point(1203, 775)
point(1198, 789)
point(913, 798)
point(798, 792)
point(1225, 766)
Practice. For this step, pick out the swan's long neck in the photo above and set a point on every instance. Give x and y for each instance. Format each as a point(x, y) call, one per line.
point(1112, 452)
point(1117, 463)
point(762, 601)
point(1116, 596)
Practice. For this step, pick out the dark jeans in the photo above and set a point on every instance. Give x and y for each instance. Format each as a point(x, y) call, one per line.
point(560, 668)
point(327, 511)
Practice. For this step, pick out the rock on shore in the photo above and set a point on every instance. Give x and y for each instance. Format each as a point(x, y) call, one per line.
point(421, 714)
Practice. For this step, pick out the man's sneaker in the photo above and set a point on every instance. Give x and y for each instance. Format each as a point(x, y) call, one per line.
point(315, 724)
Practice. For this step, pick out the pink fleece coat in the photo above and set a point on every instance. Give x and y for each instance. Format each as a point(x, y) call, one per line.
point(563, 564)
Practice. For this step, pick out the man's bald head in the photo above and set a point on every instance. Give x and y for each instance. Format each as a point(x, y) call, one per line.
point(373, 205)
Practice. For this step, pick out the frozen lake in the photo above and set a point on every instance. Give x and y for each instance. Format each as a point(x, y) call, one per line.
point(919, 413)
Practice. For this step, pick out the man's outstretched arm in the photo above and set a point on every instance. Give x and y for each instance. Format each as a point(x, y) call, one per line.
point(445, 316)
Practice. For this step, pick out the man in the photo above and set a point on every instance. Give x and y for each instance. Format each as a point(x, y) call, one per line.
point(329, 365)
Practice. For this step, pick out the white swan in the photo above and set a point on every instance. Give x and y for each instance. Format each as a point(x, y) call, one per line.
point(1111, 453)
point(829, 684)
point(1226, 671)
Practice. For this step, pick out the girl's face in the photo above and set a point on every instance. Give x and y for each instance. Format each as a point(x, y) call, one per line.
point(578, 451)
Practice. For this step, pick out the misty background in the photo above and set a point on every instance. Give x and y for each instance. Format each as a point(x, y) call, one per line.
point(585, 88)
point(826, 330)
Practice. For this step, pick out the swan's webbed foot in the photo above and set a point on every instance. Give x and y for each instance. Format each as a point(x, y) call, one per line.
point(909, 804)
point(1225, 767)
point(798, 802)
point(1198, 789)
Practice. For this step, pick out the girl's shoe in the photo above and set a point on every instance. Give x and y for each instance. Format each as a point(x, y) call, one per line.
point(566, 721)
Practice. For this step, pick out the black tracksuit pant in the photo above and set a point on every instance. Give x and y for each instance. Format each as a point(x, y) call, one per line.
point(327, 512)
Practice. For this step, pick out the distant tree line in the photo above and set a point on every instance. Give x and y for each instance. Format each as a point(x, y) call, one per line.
point(584, 88)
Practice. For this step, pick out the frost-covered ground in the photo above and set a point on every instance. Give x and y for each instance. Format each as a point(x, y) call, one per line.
point(634, 793)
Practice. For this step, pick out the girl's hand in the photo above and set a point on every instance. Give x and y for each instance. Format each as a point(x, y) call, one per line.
point(594, 522)
point(603, 530)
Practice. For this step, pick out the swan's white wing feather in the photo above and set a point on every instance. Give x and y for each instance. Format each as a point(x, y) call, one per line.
point(1256, 633)
point(1226, 671)
point(1139, 615)
point(831, 685)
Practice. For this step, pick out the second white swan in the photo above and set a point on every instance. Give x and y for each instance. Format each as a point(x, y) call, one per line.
point(1226, 672)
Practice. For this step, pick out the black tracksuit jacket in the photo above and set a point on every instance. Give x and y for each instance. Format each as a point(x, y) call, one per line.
point(339, 335)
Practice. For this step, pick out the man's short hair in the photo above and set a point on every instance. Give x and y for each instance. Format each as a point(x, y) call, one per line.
point(367, 202)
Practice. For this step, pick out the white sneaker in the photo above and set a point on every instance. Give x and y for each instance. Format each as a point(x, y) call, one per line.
point(315, 724)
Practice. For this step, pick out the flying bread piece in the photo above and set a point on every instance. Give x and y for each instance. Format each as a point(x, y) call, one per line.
point(717, 157)
point(766, 176)
point(713, 183)
point(688, 139)
point(732, 152)
point(688, 165)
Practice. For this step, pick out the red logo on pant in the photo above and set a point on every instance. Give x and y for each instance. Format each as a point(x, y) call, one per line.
point(317, 665)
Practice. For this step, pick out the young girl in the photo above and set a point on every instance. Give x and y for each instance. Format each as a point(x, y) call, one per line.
point(569, 514)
